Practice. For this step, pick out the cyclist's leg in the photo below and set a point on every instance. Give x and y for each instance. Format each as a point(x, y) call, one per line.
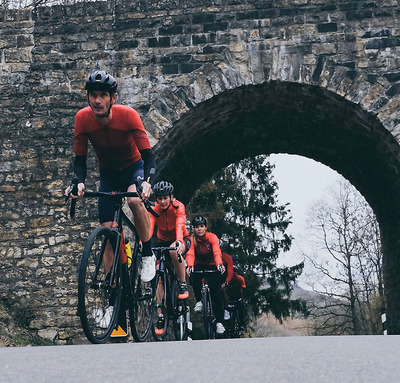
point(241, 314)
point(214, 282)
point(179, 266)
point(135, 176)
point(106, 209)
point(197, 282)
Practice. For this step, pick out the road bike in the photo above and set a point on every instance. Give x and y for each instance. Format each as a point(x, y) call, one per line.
point(209, 319)
point(109, 280)
point(233, 325)
point(172, 309)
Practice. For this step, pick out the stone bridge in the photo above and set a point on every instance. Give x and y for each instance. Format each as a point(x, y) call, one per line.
point(215, 81)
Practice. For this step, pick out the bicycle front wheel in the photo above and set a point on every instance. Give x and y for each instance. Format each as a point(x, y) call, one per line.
point(208, 315)
point(180, 324)
point(141, 306)
point(99, 297)
point(161, 312)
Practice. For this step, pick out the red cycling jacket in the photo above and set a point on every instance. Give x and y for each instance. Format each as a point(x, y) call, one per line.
point(117, 145)
point(236, 286)
point(206, 252)
point(171, 222)
point(228, 264)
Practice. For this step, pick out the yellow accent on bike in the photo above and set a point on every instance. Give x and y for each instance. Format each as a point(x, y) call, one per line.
point(128, 252)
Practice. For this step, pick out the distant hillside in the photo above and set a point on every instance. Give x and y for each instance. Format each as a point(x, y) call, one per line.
point(267, 325)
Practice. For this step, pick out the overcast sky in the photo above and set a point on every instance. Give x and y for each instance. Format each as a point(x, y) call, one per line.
point(301, 182)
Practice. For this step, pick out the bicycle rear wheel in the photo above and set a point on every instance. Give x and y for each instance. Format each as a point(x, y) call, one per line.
point(99, 298)
point(180, 324)
point(141, 306)
point(208, 315)
point(161, 288)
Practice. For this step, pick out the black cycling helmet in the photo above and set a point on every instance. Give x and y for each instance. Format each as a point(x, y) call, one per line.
point(199, 220)
point(163, 188)
point(101, 80)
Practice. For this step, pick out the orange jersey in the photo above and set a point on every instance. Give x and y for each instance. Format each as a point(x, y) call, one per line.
point(171, 222)
point(206, 252)
point(117, 145)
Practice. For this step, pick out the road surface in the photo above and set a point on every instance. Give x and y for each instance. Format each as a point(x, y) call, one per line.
point(287, 359)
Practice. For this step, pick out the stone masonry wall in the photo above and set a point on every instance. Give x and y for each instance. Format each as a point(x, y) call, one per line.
point(163, 54)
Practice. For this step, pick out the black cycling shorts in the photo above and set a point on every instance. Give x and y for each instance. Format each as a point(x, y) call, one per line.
point(117, 180)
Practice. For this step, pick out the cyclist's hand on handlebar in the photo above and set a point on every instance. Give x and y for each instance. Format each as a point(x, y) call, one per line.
point(180, 247)
point(221, 268)
point(146, 190)
point(70, 192)
point(189, 270)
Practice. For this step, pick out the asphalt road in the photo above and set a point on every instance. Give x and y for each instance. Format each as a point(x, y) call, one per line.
point(290, 359)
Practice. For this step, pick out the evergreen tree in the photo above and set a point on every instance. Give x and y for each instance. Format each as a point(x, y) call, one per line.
point(240, 203)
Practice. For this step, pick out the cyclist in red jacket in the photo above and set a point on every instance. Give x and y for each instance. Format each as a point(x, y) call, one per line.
point(205, 254)
point(171, 232)
point(236, 291)
point(125, 157)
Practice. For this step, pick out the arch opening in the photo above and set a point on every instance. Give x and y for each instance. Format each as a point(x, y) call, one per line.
point(291, 118)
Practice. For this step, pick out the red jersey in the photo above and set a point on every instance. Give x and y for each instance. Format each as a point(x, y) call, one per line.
point(171, 222)
point(236, 286)
point(205, 252)
point(117, 145)
point(228, 264)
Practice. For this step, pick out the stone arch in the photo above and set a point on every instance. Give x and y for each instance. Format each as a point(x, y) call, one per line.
point(284, 117)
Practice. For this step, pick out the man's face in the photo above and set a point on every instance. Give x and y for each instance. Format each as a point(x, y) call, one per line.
point(100, 101)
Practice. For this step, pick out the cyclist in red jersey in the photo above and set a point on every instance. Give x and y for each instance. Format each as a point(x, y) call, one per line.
point(236, 291)
point(125, 157)
point(171, 232)
point(225, 279)
point(205, 254)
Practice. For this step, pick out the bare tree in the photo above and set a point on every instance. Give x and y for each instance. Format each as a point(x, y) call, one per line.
point(347, 261)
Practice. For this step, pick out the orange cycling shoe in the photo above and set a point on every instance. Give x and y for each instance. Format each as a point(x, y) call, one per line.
point(159, 330)
point(183, 291)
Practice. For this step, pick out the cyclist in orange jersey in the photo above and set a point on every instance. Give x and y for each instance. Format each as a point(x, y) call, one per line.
point(171, 232)
point(205, 254)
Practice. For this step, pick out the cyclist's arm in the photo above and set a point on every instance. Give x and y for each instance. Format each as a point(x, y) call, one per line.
point(190, 257)
point(215, 248)
point(229, 268)
point(180, 220)
point(149, 165)
point(153, 221)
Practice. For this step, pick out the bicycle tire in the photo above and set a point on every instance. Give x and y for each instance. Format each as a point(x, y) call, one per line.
point(162, 307)
point(180, 324)
point(141, 304)
point(208, 316)
point(98, 300)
